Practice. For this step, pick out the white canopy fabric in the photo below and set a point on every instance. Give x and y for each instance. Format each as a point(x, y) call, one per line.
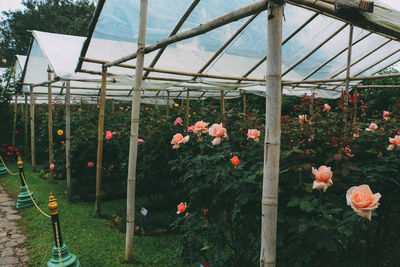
point(314, 44)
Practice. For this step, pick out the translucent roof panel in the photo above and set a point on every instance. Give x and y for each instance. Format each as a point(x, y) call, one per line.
point(314, 45)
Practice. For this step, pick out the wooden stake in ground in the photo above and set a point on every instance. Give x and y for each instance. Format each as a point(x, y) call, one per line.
point(133, 146)
point(68, 139)
point(15, 119)
point(167, 104)
point(272, 138)
point(32, 106)
point(26, 126)
point(244, 102)
point(187, 108)
point(222, 105)
point(100, 138)
point(50, 126)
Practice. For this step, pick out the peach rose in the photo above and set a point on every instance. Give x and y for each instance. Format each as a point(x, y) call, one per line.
point(361, 199)
point(181, 207)
point(200, 127)
point(372, 127)
point(303, 118)
point(327, 107)
point(323, 177)
point(218, 131)
point(253, 134)
point(178, 139)
point(386, 115)
point(394, 142)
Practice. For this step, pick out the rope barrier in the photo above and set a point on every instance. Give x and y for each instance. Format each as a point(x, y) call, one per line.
point(58, 243)
point(7, 168)
point(27, 188)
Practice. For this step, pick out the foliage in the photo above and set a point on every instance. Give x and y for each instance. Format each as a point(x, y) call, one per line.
point(57, 16)
point(95, 241)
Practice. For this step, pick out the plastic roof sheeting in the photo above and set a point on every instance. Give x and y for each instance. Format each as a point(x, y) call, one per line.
point(116, 31)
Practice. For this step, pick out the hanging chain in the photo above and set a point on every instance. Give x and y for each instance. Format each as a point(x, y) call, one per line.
point(58, 243)
point(7, 168)
point(34, 202)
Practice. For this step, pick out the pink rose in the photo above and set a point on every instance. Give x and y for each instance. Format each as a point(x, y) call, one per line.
point(323, 177)
point(386, 115)
point(200, 127)
point(356, 135)
point(121, 108)
point(372, 127)
point(394, 142)
point(327, 107)
point(178, 121)
point(218, 131)
point(109, 135)
point(140, 141)
point(90, 164)
point(52, 166)
point(79, 109)
point(190, 129)
point(361, 199)
point(253, 134)
point(178, 139)
point(181, 207)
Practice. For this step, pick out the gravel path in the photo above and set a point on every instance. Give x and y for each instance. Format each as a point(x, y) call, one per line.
point(12, 252)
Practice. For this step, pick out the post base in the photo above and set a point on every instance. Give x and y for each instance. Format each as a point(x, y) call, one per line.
point(3, 171)
point(24, 199)
point(67, 259)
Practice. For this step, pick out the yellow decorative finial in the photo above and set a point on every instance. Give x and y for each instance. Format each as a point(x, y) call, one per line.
point(53, 206)
point(20, 163)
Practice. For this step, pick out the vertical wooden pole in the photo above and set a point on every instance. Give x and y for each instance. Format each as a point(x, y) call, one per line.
point(187, 108)
point(222, 104)
point(26, 126)
point(167, 104)
point(355, 106)
point(100, 138)
point(68, 139)
point(346, 98)
point(244, 102)
point(15, 119)
point(50, 125)
point(272, 137)
point(133, 145)
point(32, 111)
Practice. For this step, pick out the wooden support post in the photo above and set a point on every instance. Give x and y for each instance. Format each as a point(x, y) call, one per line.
point(100, 138)
point(355, 106)
point(269, 202)
point(32, 111)
point(222, 105)
point(68, 139)
point(187, 108)
point(244, 102)
point(348, 67)
point(133, 145)
point(168, 104)
point(50, 125)
point(15, 119)
point(26, 126)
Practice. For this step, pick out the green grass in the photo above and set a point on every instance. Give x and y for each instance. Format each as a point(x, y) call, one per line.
point(95, 241)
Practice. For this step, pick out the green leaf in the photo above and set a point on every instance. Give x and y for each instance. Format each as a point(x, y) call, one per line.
point(293, 202)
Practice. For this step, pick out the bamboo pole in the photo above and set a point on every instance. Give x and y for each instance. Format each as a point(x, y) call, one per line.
point(168, 104)
point(133, 145)
point(244, 102)
point(355, 107)
point(272, 138)
point(26, 126)
point(15, 119)
point(68, 139)
point(32, 111)
point(222, 105)
point(50, 125)
point(346, 97)
point(203, 28)
point(187, 108)
point(100, 138)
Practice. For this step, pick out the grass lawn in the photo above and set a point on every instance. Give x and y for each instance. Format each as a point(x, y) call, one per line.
point(95, 241)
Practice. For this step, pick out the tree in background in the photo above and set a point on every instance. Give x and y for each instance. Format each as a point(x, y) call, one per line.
point(56, 16)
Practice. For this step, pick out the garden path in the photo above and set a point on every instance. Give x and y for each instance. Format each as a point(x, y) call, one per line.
point(11, 240)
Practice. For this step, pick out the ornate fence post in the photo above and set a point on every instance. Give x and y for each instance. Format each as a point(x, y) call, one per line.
point(61, 255)
point(24, 199)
